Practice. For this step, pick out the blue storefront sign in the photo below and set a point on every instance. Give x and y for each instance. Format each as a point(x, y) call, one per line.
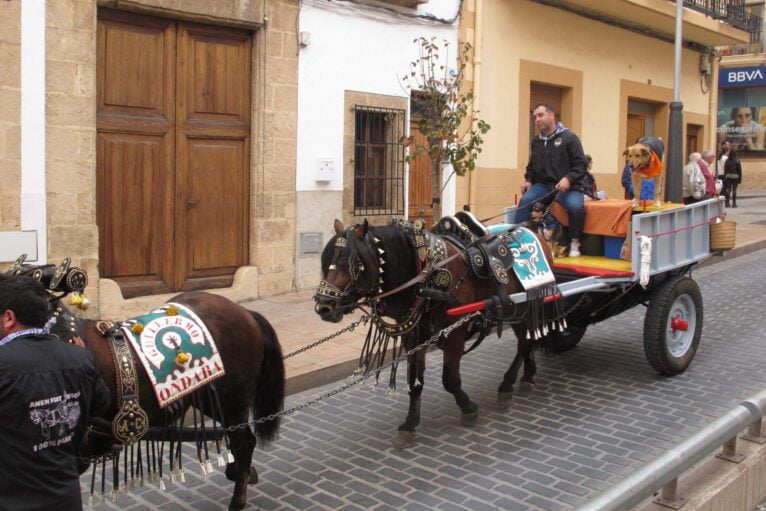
point(742, 76)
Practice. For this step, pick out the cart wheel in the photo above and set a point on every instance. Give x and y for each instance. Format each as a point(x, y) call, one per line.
point(559, 342)
point(673, 326)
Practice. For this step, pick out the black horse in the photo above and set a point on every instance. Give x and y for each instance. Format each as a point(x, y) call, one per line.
point(363, 262)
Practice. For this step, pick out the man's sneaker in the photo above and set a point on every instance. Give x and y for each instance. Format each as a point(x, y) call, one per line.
point(574, 248)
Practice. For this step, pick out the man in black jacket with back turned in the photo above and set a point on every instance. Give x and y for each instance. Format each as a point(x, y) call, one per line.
point(48, 391)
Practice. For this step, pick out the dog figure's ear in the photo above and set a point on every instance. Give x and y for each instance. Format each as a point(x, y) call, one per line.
point(625, 153)
point(645, 152)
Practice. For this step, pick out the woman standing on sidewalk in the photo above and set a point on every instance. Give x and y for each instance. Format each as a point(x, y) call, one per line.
point(731, 178)
point(720, 162)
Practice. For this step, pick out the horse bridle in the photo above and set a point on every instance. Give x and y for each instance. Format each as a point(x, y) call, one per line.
point(356, 268)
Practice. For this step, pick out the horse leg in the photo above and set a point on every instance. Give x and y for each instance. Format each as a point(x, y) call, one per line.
point(530, 367)
point(505, 391)
point(416, 366)
point(453, 352)
point(242, 442)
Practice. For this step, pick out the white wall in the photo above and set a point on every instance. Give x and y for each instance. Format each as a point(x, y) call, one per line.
point(355, 48)
point(33, 198)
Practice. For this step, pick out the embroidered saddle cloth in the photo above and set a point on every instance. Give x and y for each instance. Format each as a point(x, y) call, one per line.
point(514, 248)
point(176, 350)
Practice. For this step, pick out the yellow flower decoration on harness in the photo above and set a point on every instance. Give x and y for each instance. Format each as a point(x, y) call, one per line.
point(137, 328)
point(171, 311)
point(182, 358)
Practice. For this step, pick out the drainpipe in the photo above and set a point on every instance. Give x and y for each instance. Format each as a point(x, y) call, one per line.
point(472, 181)
point(675, 129)
point(713, 99)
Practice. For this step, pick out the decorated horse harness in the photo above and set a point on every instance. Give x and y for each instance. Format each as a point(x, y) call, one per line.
point(130, 424)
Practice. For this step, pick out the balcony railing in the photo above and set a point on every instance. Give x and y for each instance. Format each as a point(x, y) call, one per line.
point(732, 12)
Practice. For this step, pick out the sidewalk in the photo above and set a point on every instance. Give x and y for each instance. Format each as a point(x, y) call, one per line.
point(296, 323)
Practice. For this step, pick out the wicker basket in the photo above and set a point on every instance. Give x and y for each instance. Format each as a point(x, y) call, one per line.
point(723, 236)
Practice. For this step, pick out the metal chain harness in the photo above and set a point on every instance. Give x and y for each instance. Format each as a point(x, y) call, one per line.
point(363, 320)
point(433, 340)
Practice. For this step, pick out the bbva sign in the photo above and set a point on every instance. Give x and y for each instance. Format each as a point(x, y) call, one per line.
point(742, 76)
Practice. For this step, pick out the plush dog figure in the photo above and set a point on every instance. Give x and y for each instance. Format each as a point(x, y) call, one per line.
point(550, 229)
point(645, 160)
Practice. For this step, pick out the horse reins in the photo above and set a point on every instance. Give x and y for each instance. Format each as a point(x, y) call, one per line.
point(414, 280)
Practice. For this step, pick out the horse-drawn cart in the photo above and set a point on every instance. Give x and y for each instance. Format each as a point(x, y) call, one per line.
point(665, 246)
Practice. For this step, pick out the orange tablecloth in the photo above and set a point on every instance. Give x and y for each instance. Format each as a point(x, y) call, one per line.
point(608, 217)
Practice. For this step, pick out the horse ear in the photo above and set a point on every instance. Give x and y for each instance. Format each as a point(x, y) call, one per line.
point(338, 226)
point(361, 230)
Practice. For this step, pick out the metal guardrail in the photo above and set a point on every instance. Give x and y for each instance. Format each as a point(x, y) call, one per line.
point(732, 12)
point(664, 471)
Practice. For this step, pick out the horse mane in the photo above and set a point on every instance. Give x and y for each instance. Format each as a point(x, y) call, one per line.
point(400, 266)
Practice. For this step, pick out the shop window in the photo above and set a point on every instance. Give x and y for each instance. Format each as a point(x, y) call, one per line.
point(378, 161)
point(742, 119)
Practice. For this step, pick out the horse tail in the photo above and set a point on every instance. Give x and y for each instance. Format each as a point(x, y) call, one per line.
point(270, 391)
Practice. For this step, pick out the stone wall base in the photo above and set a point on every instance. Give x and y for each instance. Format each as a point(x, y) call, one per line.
point(112, 306)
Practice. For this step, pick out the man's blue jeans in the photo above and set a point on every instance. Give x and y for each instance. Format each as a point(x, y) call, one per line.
point(573, 202)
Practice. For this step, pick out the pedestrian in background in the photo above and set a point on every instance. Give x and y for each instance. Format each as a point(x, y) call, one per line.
point(693, 184)
point(49, 389)
point(732, 177)
point(707, 166)
point(723, 155)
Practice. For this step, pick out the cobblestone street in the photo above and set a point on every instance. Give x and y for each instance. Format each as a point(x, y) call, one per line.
point(596, 413)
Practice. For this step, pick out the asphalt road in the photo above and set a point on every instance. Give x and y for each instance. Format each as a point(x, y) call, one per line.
point(596, 413)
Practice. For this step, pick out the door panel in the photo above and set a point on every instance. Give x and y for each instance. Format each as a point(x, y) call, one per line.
point(421, 181)
point(214, 168)
point(135, 151)
point(133, 226)
point(636, 129)
point(212, 135)
point(144, 92)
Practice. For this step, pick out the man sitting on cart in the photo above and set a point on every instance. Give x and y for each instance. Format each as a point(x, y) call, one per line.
point(555, 170)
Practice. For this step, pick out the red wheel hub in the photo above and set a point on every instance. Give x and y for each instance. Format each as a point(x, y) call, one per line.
point(677, 324)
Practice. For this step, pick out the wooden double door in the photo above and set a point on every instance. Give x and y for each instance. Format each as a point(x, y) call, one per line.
point(173, 156)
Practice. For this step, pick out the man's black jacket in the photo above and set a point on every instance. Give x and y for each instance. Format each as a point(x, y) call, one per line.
point(561, 156)
point(48, 390)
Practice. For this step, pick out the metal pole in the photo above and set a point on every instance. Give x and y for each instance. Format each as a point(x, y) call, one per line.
point(763, 28)
point(675, 129)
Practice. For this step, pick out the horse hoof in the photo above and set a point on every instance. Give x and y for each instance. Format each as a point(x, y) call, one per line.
point(236, 506)
point(404, 439)
point(504, 400)
point(469, 419)
point(253, 477)
point(524, 388)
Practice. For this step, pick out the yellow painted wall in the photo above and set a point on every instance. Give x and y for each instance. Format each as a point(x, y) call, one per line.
point(521, 37)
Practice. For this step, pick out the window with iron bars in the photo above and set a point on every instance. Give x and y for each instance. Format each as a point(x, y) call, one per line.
point(378, 161)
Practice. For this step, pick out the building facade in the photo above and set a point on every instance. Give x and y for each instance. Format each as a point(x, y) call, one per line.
point(353, 111)
point(741, 113)
point(153, 142)
point(607, 67)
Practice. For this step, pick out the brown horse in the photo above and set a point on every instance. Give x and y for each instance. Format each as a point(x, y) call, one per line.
point(361, 262)
point(254, 379)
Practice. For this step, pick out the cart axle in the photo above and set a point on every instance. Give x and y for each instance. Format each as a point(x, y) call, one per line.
point(677, 324)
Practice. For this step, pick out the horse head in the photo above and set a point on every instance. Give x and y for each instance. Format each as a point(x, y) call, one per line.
point(350, 271)
point(58, 281)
